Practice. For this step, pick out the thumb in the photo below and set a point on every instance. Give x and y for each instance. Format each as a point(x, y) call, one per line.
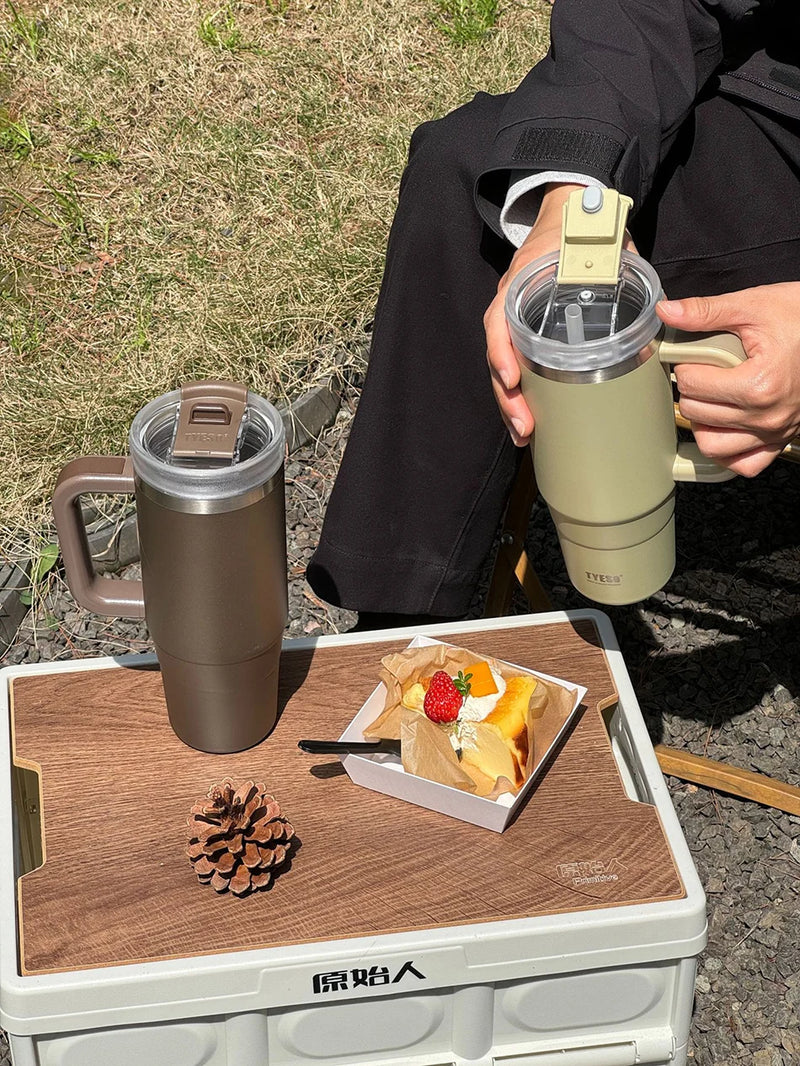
point(726, 312)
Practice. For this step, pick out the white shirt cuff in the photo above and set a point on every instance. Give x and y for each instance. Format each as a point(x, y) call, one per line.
point(524, 198)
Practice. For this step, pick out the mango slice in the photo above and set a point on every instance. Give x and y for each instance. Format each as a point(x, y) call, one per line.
point(481, 683)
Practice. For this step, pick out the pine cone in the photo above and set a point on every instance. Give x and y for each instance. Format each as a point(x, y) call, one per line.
point(237, 837)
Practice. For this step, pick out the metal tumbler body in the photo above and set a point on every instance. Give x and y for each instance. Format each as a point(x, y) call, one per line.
point(603, 461)
point(216, 607)
point(206, 468)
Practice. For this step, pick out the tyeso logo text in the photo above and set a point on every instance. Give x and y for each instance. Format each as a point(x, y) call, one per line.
point(603, 579)
point(345, 980)
point(205, 436)
point(592, 872)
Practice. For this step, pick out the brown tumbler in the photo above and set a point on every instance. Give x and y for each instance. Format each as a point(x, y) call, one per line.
point(206, 467)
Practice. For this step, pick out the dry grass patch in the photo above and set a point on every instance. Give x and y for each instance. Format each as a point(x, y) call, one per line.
point(192, 190)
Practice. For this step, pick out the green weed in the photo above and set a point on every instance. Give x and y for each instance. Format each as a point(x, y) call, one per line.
point(20, 329)
point(42, 566)
point(69, 214)
point(29, 207)
point(95, 157)
point(466, 21)
point(218, 30)
point(16, 139)
point(141, 337)
point(24, 31)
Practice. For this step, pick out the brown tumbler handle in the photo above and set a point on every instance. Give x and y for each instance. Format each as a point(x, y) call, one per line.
point(95, 473)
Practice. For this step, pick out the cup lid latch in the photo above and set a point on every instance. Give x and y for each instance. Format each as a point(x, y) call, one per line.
point(592, 233)
point(209, 420)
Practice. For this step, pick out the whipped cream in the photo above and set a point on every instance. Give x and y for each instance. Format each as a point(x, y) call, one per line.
point(474, 709)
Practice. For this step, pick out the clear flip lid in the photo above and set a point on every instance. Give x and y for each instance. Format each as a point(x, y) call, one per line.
point(207, 440)
point(575, 330)
point(586, 312)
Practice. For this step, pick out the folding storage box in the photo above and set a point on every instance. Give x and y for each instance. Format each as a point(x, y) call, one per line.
point(397, 935)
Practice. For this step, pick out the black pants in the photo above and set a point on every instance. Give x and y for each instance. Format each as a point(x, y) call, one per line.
point(429, 463)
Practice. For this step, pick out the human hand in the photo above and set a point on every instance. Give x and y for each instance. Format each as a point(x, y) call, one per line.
point(544, 238)
point(744, 416)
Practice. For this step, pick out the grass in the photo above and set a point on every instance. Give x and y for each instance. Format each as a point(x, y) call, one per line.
point(218, 29)
point(23, 31)
point(16, 139)
point(193, 190)
point(466, 21)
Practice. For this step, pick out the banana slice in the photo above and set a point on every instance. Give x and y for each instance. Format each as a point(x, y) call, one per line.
point(414, 697)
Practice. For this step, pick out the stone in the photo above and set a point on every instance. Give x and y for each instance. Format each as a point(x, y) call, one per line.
point(14, 579)
point(790, 1041)
point(767, 1056)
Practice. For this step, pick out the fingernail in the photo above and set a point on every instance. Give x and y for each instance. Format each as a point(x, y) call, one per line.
point(519, 426)
point(505, 379)
point(674, 308)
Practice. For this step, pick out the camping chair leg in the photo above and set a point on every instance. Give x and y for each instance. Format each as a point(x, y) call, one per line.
point(512, 560)
point(731, 779)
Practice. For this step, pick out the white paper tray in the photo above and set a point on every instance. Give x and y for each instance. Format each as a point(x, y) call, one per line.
point(385, 773)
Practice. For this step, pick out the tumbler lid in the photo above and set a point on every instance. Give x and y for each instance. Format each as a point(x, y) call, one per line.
point(583, 333)
point(207, 440)
point(586, 313)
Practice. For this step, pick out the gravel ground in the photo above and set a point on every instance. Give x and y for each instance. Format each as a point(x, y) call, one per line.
point(714, 662)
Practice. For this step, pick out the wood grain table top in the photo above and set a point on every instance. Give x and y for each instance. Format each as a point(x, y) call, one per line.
point(117, 786)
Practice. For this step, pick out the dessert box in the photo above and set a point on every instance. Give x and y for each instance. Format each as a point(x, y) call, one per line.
point(385, 773)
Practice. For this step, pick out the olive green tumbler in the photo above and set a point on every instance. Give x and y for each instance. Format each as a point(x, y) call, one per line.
point(595, 363)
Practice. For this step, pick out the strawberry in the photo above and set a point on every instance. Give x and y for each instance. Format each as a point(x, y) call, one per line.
point(442, 700)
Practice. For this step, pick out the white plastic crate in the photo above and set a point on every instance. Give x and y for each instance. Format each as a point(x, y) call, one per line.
point(606, 987)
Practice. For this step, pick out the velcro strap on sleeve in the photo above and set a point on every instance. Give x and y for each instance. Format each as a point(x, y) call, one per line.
point(544, 146)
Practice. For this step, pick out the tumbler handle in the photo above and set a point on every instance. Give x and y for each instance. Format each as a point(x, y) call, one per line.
point(710, 349)
point(102, 595)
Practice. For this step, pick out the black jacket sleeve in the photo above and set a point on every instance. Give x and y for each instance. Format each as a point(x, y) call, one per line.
point(618, 81)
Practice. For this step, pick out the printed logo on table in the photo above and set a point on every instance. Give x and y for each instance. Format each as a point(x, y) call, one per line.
point(348, 980)
point(591, 872)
